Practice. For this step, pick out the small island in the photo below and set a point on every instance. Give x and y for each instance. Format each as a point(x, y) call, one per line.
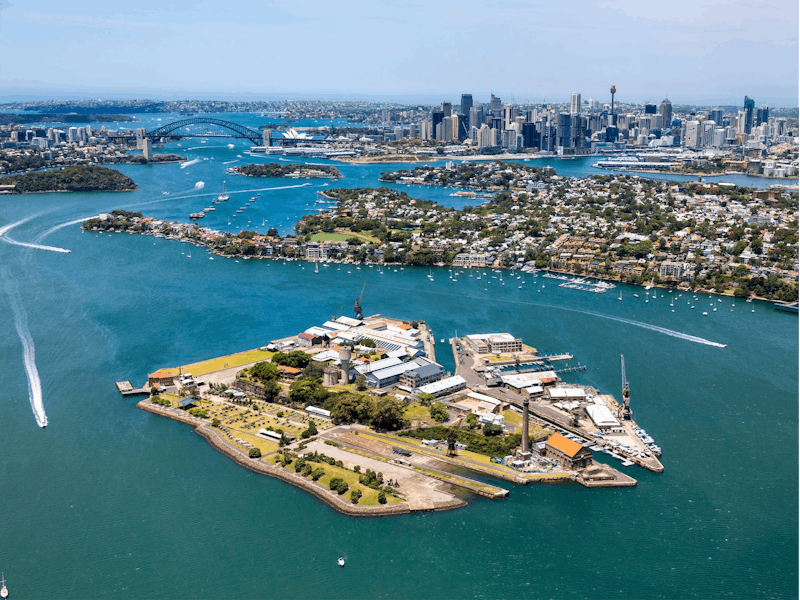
point(295, 171)
point(82, 178)
point(140, 159)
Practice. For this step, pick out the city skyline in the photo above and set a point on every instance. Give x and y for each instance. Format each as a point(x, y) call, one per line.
point(696, 54)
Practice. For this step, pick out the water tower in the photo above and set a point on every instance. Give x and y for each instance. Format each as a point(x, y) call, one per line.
point(330, 376)
point(344, 359)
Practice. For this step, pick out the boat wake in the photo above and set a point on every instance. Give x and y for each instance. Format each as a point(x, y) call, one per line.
point(656, 328)
point(41, 236)
point(199, 185)
point(189, 163)
point(5, 229)
point(29, 351)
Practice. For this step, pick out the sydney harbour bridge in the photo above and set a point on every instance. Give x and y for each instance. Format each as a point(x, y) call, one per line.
point(218, 128)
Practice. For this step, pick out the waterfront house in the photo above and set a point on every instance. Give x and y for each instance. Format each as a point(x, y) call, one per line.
point(161, 378)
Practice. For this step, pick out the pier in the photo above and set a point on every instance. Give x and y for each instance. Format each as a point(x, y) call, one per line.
point(126, 389)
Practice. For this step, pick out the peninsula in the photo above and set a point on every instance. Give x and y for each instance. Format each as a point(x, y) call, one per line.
point(360, 405)
point(81, 178)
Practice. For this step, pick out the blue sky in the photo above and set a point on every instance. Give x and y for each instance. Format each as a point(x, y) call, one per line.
point(694, 51)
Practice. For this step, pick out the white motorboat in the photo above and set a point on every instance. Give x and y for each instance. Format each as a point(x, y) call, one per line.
point(340, 562)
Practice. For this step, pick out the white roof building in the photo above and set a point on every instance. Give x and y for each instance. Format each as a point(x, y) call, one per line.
point(601, 416)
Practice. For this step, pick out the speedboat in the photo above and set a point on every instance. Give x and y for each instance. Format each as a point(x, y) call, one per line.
point(340, 562)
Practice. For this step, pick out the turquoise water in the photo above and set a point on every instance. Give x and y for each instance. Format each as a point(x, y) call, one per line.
point(110, 501)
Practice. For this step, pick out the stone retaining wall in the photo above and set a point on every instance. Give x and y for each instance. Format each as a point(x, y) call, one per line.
point(252, 389)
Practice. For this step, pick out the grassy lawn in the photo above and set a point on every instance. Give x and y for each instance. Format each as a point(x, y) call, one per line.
point(174, 398)
point(369, 496)
point(512, 418)
point(417, 411)
point(330, 237)
point(223, 362)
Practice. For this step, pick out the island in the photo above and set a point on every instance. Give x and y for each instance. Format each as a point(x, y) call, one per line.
point(294, 171)
point(358, 412)
point(82, 178)
point(484, 176)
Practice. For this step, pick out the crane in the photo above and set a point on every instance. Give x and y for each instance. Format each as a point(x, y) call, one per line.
point(357, 306)
point(452, 437)
point(625, 409)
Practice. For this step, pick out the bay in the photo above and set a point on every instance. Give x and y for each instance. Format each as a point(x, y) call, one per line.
point(110, 501)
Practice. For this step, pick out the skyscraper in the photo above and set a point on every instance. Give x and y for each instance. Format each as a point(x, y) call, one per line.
point(762, 115)
point(666, 111)
point(495, 105)
point(437, 117)
point(715, 115)
point(466, 104)
point(749, 107)
point(650, 109)
point(575, 103)
point(447, 109)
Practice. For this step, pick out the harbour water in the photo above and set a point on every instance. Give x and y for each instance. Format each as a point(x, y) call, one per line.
point(111, 501)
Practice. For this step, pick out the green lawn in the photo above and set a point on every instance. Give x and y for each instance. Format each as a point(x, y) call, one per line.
point(343, 237)
point(418, 412)
point(223, 362)
point(369, 496)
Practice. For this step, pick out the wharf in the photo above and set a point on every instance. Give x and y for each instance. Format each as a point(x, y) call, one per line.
point(126, 389)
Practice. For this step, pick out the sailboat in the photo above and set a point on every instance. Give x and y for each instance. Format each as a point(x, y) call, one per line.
point(316, 267)
point(620, 294)
point(223, 196)
point(3, 588)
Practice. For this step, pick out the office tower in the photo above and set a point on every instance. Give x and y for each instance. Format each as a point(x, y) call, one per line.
point(398, 132)
point(88, 131)
point(466, 104)
point(413, 131)
point(444, 133)
point(447, 109)
point(762, 115)
point(693, 134)
point(495, 105)
point(474, 118)
point(575, 103)
point(530, 137)
point(437, 117)
point(707, 139)
point(73, 134)
point(510, 113)
point(462, 128)
point(485, 136)
point(650, 109)
point(715, 115)
point(425, 130)
point(497, 123)
point(719, 137)
point(82, 139)
point(564, 130)
point(749, 108)
point(666, 110)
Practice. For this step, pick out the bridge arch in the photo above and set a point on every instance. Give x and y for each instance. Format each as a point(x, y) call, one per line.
point(237, 131)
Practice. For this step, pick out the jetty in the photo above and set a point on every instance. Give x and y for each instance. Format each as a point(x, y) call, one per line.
point(126, 389)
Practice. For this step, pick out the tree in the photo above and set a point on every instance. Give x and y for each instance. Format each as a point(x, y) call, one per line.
point(307, 391)
point(154, 391)
point(355, 496)
point(216, 423)
point(472, 421)
point(309, 431)
point(361, 383)
point(425, 399)
point(382, 497)
point(342, 487)
point(317, 473)
point(439, 412)
point(334, 482)
point(490, 429)
point(271, 391)
point(264, 371)
point(255, 453)
point(387, 415)
point(272, 232)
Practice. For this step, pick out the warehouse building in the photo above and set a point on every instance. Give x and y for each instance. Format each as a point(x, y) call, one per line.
point(443, 387)
point(566, 453)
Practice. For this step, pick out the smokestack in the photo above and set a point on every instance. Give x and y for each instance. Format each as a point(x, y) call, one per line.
point(344, 358)
point(525, 442)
